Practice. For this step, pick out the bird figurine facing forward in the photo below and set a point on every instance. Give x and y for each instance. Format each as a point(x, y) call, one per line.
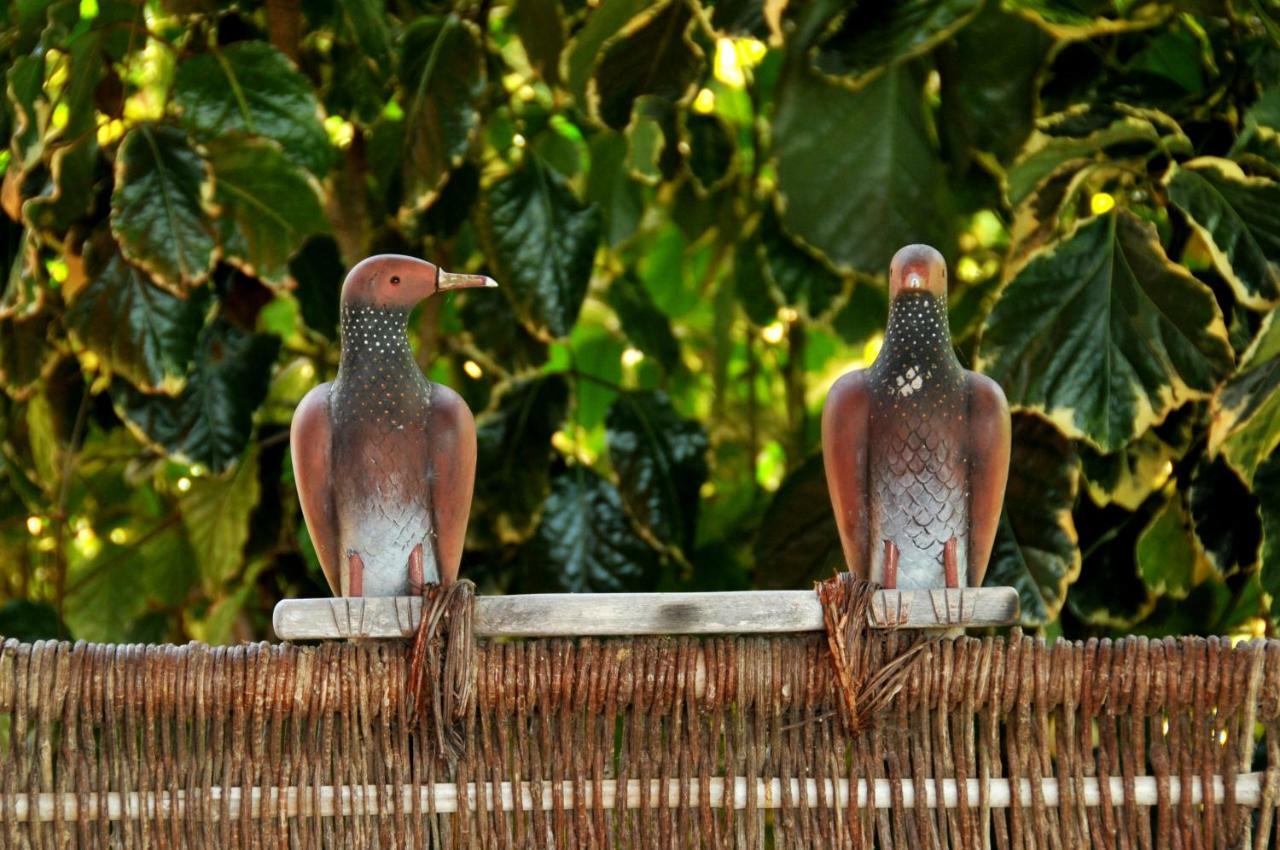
point(916, 448)
point(385, 459)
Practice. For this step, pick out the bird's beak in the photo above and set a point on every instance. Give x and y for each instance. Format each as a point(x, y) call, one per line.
point(452, 280)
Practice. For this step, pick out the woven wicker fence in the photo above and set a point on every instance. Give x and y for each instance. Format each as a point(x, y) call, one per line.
point(655, 742)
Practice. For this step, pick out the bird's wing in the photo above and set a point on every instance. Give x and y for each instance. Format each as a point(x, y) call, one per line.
point(989, 445)
point(844, 455)
point(310, 443)
point(451, 456)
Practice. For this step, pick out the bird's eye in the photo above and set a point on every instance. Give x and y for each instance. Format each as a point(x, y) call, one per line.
point(395, 280)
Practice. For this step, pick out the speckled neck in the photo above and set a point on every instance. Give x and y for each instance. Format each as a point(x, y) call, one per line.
point(917, 343)
point(375, 340)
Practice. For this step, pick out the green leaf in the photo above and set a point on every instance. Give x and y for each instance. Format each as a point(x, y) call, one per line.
point(990, 79)
point(797, 543)
point(710, 149)
point(1167, 555)
point(250, 87)
point(740, 18)
point(585, 50)
point(159, 209)
point(1087, 133)
point(1239, 219)
point(1245, 424)
point(1260, 137)
point(1109, 590)
point(543, 243)
point(139, 331)
point(1266, 485)
point(318, 271)
point(802, 279)
point(661, 461)
point(513, 440)
point(874, 34)
point(115, 589)
point(610, 187)
point(1225, 517)
point(1127, 477)
point(585, 542)
point(366, 21)
point(443, 74)
point(25, 353)
point(1036, 548)
point(210, 421)
point(645, 325)
point(268, 206)
point(30, 621)
point(1104, 335)
point(874, 144)
point(653, 55)
point(68, 194)
point(215, 514)
point(540, 25)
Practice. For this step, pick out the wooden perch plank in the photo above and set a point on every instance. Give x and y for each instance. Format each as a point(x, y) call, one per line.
point(598, 614)
point(350, 800)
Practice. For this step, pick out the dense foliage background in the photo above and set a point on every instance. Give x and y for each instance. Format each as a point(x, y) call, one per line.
point(690, 208)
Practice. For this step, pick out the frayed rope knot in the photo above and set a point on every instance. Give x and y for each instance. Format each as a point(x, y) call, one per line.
point(866, 684)
point(441, 661)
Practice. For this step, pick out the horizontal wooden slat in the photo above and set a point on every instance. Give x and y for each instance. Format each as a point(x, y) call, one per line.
point(598, 614)
point(350, 800)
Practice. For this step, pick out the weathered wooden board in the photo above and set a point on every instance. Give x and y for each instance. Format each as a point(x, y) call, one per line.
point(598, 614)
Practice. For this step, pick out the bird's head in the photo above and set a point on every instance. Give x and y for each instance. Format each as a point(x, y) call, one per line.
point(917, 268)
point(394, 280)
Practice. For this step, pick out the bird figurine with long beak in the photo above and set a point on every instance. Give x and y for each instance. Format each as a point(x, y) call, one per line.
point(916, 448)
point(385, 459)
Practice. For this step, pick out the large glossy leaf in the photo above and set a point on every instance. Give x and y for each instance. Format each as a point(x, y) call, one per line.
point(137, 330)
point(1036, 547)
point(1224, 514)
point(1104, 334)
point(797, 543)
point(1239, 219)
point(160, 207)
point(1266, 485)
point(250, 87)
point(543, 241)
point(645, 325)
point(989, 81)
point(1246, 409)
point(443, 73)
point(215, 514)
point(267, 205)
point(585, 542)
point(514, 451)
point(875, 33)
point(858, 174)
point(661, 461)
point(211, 419)
point(653, 55)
